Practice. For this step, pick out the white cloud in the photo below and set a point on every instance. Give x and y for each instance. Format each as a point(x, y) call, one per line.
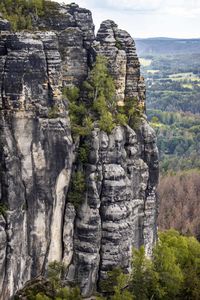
point(182, 12)
point(130, 4)
point(142, 18)
point(186, 8)
point(182, 8)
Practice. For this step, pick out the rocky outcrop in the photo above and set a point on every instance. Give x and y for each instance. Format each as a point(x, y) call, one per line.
point(119, 211)
point(118, 46)
point(37, 223)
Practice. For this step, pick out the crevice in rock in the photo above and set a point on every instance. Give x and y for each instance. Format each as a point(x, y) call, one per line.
point(5, 283)
point(2, 85)
point(100, 248)
point(50, 90)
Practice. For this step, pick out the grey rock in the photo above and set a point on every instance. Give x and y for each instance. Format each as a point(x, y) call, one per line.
point(117, 213)
point(119, 47)
point(4, 24)
point(37, 156)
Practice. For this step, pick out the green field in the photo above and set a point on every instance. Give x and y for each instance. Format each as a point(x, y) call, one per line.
point(145, 62)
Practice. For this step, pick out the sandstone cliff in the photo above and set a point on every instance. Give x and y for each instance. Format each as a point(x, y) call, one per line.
point(38, 223)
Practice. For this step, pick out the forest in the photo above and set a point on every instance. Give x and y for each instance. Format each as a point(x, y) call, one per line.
point(173, 272)
point(171, 68)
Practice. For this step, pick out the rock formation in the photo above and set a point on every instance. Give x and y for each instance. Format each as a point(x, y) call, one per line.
point(37, 222)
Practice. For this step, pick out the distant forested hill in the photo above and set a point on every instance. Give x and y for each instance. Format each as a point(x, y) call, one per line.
point(173, 99)
point(171, 68)
point(157, 46)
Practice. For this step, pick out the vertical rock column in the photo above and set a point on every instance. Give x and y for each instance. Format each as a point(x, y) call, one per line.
point(36, 157)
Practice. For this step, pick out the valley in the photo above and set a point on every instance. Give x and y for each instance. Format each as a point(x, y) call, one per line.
point(171, 69)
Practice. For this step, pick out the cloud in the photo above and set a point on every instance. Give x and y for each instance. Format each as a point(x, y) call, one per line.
point(181, 8)
point(145, 18)
point(129, 4)
point(182, 12)
point(185, 8)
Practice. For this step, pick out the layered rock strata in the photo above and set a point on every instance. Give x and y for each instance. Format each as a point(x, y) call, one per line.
point(38, 224)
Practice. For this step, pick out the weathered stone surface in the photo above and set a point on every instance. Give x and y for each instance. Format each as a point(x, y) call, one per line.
point(118, 46)
point(119, 211)
point(40, 284)
point(3, 245)
point(37, 153)
point(4, 24)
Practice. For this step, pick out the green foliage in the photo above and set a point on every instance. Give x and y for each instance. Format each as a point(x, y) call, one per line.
point(173, 87)
point(55, 270)
point(52, 288)
point(111, 281)
point(173, 97)
point(68, 294)
point(82, 124)
point(178, 139)
point(20, 12)
point(144, 279)
point(175, 81)
point(83, 152)
point(101, 83)
point(100, 88)
point(101, 92)
point(120, 289)
point(97, 104)
point(88, 125)
point(77, 189)
point(72, 93)
point(154, 119)
point(53, 112)
point(106, 122)
point(173, 272)
point(118, 44)
point(170, 274)
point(41, 296)
point(116, 286)
point(185, 269)
point(3, 209)
point(133, 110)
point(121, 119)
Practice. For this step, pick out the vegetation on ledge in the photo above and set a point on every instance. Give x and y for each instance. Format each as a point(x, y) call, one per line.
point(77, 189)
point(51, 288)
point(21, 13)
point(3, 209)
point(96, 104)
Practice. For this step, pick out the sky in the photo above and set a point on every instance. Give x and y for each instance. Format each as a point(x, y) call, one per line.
point(148, 18)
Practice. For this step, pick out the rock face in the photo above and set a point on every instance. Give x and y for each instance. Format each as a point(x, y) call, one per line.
point(37, 223)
